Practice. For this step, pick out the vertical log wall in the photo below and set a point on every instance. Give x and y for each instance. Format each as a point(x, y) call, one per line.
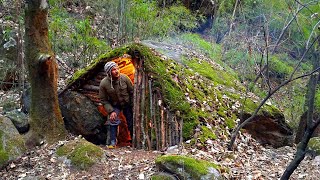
point(155, 126)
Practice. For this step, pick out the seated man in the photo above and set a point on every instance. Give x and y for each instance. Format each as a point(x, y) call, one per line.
point(116, 93)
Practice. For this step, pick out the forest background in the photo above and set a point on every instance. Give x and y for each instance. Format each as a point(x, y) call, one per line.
point(245, 35)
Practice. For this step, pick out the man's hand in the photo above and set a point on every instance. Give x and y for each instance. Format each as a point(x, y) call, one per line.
point(113, 116)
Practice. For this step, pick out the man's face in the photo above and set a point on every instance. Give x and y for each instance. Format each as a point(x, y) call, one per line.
point(115, 73)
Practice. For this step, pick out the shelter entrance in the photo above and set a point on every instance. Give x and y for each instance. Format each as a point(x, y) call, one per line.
point(155, 125)
point(126, 66)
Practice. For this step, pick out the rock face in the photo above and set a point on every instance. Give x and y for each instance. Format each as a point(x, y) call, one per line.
point(11, 142)
point(302, 127)
point(270, 129)
point(20, 120)
point(81, 117)
point(187, 167)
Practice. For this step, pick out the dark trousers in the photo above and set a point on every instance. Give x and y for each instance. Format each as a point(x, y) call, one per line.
point(128, 113)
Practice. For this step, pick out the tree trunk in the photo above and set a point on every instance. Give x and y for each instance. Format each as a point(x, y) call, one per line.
point(312, 123)
point(45, 117)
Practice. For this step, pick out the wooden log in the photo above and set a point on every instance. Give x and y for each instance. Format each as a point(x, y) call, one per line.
point(143, 120)
point(99, 77)
point(155, 122)
point(162, 127)
point(102, 73)
point(93, 97)
point(135, 108)
point(89, 87)
point(176, 129)
point(180, 121)
point(151, 120)
point(138, 110)
point(168, 127)
point(93, 82)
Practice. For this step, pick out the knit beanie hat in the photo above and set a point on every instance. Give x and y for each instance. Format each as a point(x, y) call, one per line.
point(109, 65)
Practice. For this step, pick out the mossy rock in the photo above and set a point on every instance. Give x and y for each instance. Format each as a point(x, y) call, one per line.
point(188, 168)
point(163, 176)
point(81, 153)
point(314, 145)
point(12, 144)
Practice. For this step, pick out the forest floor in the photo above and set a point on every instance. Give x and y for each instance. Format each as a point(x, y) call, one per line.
point(249, 161)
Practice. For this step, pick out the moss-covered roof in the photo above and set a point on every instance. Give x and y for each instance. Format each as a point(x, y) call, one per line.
point(196, 88)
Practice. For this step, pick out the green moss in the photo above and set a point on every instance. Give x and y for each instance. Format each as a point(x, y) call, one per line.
point(4, 157)
point(317, 99)
point(221, 112)
point(188, 129)
point(66, 149)
point(206, 134)
point(314, 145)
point(271, 110)
point(249, 106)
point(1, 134)
point(231, 122)
point(11, 149)
point(207, 70)
point(82, 154)
point(193, 166)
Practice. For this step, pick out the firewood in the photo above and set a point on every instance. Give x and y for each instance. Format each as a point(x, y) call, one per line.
point(91, 87)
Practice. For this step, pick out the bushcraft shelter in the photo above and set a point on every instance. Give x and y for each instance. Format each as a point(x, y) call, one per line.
point(157, 125)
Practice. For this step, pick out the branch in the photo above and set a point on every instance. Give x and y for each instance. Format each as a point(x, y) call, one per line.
point(314, 27)
point(44, 58)
point(289, 23)
point(302, 147)
point(291, 78)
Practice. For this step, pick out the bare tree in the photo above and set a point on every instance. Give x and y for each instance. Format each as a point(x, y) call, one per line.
point(291, 78)
point(45, 117)
point(312, 124)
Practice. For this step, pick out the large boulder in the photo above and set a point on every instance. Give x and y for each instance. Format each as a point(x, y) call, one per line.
point(269, 127)
point(11, 142)
point(303, 125)
point(19, 119)
point(81, 117)
point(188, 168)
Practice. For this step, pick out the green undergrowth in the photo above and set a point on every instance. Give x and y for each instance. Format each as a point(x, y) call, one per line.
point(82, 153)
